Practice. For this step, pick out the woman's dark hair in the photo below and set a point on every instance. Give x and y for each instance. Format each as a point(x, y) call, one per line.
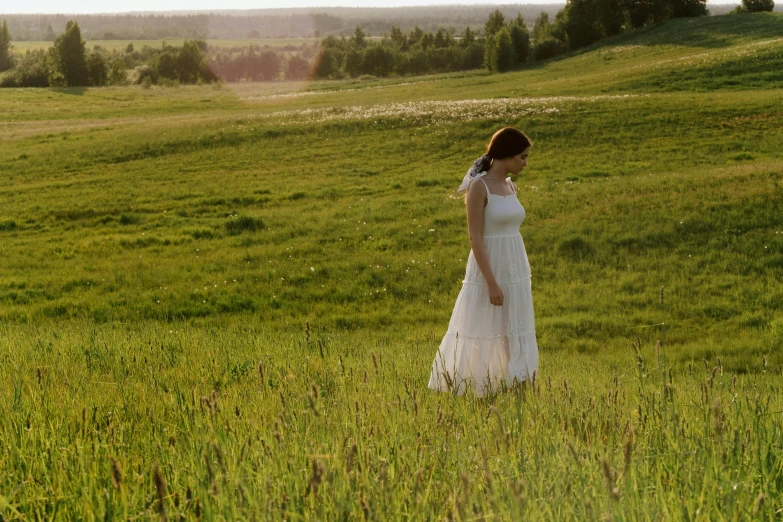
point(505, 143)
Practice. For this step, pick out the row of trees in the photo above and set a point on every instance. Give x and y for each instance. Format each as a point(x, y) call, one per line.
point(503, 46)
point(68, 64)
point(400, 54)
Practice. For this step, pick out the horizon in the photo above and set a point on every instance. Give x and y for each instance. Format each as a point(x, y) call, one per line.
point(96, 7)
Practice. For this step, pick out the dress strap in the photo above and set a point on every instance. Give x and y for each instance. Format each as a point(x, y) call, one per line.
point(512, 185)
point(486, 187)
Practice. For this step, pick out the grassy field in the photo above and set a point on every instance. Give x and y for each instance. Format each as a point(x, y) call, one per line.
point(223, 302)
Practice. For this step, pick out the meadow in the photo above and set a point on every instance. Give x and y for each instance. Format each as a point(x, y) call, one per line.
point(223, 301)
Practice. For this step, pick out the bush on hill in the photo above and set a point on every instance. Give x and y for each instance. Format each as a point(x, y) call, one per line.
point(758, 6)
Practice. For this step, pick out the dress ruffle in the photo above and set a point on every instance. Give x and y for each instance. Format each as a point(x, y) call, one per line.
point(487, 344)
point(482, 363)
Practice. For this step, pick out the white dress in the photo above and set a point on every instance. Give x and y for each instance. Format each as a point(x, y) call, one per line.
point(486, 344)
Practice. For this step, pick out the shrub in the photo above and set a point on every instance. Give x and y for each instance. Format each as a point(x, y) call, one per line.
point(758, 6)
point(201, 233)
point(237, 225)
point(129, 219)
point(117, 74)
point(32, 71)
point(145, 71)
point(97, 71)
point(7, 225)
point(168, 82)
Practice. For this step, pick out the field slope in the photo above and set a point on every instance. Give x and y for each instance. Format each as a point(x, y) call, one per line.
point(244, 286)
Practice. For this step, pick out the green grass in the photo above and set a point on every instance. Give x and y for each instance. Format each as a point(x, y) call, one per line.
point(159, 245)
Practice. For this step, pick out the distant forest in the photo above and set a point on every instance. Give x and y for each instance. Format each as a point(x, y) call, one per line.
point(270, 23)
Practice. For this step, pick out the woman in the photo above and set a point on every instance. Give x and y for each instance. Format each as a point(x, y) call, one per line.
point(491, 335)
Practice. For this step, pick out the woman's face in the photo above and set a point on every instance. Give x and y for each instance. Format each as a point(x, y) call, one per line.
point(520, 161)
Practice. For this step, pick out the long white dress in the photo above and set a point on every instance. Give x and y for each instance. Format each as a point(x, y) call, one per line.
point(486, 344)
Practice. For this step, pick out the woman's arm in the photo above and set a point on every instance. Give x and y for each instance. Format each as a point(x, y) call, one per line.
point(475, 207)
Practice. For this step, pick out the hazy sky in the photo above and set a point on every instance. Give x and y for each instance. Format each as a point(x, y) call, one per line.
point(102, 6)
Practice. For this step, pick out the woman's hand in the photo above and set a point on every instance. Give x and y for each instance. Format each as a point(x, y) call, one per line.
point(495, 295)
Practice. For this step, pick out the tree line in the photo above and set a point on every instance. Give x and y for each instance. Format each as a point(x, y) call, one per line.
point(67, 63)
point(504, 45)
point(267, 23)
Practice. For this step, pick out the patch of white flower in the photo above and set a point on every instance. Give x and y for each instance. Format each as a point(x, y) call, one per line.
point(437, 112)
point(336, 91)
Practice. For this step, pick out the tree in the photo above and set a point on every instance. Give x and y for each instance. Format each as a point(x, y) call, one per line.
point(605, 17)
point(690, 8)
point(520, 39)
point(50, 35)
point(494, 23)
point(499, 51)
point(467, 38)
point(190, 62)
point(264, 67)
point(6, 60)
point(440, 40)
point(542, 29)
point(359, 37)
point(378, 61)
point(642, 12)
point(353, 61)
point(297, 68)
point(398, 39)
point(96, 69)
point(327, 64)
point(415, 35)
point(167, 65)
point(547, 48)
point(473, 57)
point(68, 54)
point(758, 6)
point(117, 74)
point(580, 26)
point(427, 41)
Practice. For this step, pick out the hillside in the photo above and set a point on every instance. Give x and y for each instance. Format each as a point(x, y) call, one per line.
point(651, 156)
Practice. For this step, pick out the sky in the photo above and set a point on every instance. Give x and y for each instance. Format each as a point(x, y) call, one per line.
point(102, 6)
